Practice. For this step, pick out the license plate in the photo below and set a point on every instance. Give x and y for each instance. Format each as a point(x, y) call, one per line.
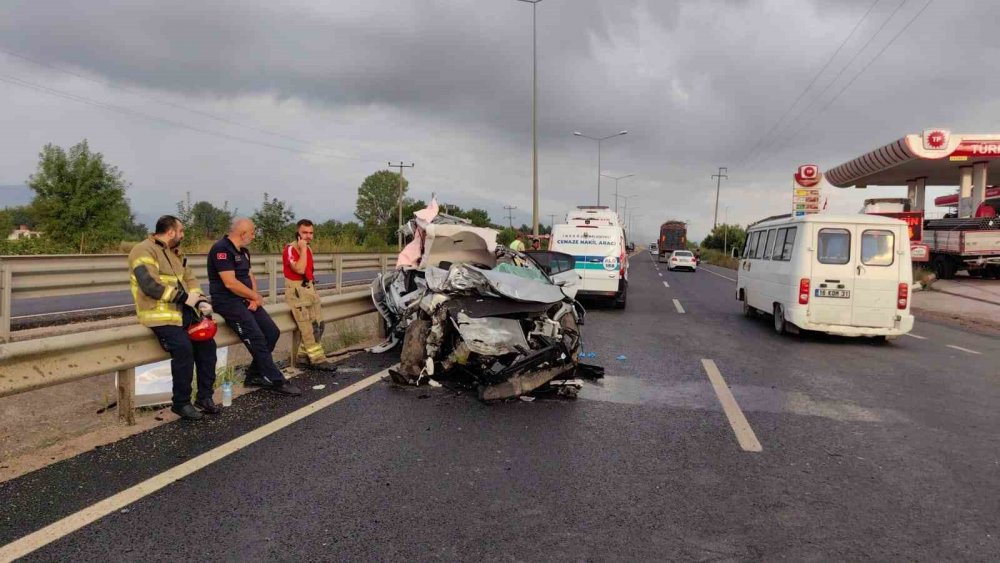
point(838, 293)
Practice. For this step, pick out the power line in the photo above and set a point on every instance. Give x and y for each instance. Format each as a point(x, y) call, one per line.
point(134, 113)
point(843, 69)
point(870, 63)
point(134, 92)
point(811, 83)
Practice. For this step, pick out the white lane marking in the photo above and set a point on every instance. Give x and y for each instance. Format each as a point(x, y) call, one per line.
point(966, 350)
point(677, 304)
point(659, 274)
point(718, 274)
point(744, 433)
point(23, 546)
point(665, 284)
point(917, 336)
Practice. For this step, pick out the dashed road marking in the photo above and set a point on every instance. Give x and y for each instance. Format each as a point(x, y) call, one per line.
point(966, 350)
point(744, 433)
point(718, 274)
point(665, 284)
point(677, 304)
point(23, 546)
point(917, 336)
point(659, 274)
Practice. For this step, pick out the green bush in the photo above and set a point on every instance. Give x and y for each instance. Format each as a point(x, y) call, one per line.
point(28, 246)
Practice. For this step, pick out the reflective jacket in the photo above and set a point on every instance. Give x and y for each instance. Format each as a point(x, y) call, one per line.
point(161, 282)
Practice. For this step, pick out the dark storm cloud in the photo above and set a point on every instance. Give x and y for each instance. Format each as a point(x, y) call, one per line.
point(697, 83)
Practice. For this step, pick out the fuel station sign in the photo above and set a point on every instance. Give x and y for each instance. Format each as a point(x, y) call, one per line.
point(806, 191)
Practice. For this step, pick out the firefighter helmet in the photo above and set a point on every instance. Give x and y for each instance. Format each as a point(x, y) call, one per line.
point(203, 330)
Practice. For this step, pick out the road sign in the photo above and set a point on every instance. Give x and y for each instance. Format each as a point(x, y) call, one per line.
point(806, 191)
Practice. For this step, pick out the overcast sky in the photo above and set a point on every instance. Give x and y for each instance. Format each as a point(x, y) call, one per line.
point(303, 99)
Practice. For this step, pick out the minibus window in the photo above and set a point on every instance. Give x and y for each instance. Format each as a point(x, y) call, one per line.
point(877, 248)
point(834, 246)
point(752, 246)
point(786, 251)
point(779, 243)
point(770, 243)
point(759, 253)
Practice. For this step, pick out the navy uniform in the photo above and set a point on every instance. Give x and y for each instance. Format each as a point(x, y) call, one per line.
point(255, 328)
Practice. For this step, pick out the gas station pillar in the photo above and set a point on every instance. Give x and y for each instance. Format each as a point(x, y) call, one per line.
point(965, 208)
point(916, 192)
point(978, 185)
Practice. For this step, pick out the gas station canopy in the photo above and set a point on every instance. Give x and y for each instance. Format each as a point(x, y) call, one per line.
point(936, 157)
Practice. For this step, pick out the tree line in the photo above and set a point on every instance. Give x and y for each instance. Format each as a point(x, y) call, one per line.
point(81, 206)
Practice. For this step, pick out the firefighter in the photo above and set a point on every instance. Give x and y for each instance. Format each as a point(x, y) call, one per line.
point(234, 296)
point(169, 301)
point(301, 295)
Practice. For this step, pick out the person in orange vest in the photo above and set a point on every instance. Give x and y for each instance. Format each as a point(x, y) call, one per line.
point(302, 298)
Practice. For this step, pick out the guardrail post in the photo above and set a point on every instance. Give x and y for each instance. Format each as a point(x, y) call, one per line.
point(384, 264)
point(338, 263)
point(126, 396)
point(272, 279)
point(6, 277)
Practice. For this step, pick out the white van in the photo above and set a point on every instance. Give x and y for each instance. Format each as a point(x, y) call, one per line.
point(840, 274)
point(601, 260)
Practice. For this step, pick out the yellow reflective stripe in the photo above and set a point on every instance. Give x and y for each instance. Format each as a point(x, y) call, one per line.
point(159, 316)
point(169, 278)
point(196, 290)
point(143, 260)
point(168, 294)
point(315, 348)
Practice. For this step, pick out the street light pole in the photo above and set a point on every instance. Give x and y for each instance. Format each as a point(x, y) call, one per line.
point(599, 139)
point(725, 229)
point(534, 114)
point(616, 186)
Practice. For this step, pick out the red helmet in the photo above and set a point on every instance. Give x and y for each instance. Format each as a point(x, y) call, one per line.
point(203, 330)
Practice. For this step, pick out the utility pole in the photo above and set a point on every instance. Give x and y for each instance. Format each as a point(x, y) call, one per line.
point(399, 230)
point(510, 214)
point(534, 114)
point(718, 184)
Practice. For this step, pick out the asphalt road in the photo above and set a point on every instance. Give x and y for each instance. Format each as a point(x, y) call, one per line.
point(53, 305)
point(867, 452)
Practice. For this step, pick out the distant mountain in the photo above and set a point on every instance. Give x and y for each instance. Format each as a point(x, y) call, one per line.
point(12, 196)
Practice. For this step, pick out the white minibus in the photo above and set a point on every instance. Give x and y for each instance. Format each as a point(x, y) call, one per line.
point(840, 274)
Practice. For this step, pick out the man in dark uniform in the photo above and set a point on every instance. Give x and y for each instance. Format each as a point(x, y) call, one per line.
point(234, 296)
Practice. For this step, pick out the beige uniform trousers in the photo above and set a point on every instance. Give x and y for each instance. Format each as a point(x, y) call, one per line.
point(304, 302)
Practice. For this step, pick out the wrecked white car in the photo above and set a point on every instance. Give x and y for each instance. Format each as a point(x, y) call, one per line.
point(470, 310)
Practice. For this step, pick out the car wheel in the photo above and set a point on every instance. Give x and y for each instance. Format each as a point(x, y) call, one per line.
point(779, 319)
point(621, 300)
point(571, 336)
point(748, 311)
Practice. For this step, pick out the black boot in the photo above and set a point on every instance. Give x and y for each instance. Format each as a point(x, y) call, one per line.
point(208, 406)
point(284, 387)
point(186, 412)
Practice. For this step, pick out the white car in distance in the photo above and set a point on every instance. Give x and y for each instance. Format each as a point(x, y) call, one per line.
point(682, 259)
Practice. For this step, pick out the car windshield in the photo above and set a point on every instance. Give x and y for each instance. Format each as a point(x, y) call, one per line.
point(521, 268)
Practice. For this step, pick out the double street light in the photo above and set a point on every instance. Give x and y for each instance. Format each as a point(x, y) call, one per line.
point(599, 139)
point(616, 178)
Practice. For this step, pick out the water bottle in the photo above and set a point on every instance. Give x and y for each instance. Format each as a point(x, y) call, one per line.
point(227, 394)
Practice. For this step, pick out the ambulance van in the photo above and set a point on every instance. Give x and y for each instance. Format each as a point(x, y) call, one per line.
point(595, 238)
point(840, 274)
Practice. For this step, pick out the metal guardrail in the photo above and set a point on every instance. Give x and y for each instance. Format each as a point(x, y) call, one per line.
point(44, 362)
point(23, 277)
